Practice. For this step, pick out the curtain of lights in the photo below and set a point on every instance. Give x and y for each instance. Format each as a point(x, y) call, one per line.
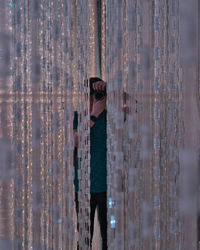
point(36, 129)
point(151, 68)
point(147, 53)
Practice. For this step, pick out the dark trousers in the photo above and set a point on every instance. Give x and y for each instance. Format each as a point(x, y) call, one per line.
point(98, 201)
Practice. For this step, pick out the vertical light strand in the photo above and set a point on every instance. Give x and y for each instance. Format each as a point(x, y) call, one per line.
point(92, 36)
point(6, 142)
point(110, 141)
point(174, 117)
point(103, 38)
point(162, 68)
point(11, 167)
point(156, 132)
point(166, 220)
point(149, 170)
point(125, 138)
point(180, 141)
point(62, 134)
point(29, 129)
point(37, 166)
point(17, 124)
point(83, 123)
point(115, 126)
point(139, 120)
point(74, 19)
point(55, 122)
point(23, 170)
point(44, 222)
point(63, 210)
point(50, 117)
point(163, 159)
point(69, 222)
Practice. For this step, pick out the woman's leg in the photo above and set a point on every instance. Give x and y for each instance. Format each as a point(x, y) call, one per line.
point(93, 205)
point(77, 209)
point(92, 213)
point(102, 215)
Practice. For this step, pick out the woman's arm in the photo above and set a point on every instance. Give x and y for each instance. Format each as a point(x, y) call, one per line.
point(75, 134)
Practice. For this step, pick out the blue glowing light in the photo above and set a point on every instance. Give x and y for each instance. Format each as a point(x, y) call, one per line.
point(12, 5)
point(112, 221)
point(110, 202)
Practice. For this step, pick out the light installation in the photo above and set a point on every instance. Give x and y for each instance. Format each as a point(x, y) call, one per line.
point(147, 53)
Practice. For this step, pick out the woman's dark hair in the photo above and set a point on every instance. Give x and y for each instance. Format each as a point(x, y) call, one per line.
point(93, 80)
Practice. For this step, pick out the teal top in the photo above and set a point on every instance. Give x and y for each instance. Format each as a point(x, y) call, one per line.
point(98, 151)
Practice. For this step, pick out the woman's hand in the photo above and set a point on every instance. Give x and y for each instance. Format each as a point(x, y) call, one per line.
point(99, 86)
point(98, 107)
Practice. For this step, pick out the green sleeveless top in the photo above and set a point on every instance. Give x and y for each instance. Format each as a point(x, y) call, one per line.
point(98, 151)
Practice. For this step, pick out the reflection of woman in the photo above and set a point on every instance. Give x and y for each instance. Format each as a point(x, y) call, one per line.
point(98, 151)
